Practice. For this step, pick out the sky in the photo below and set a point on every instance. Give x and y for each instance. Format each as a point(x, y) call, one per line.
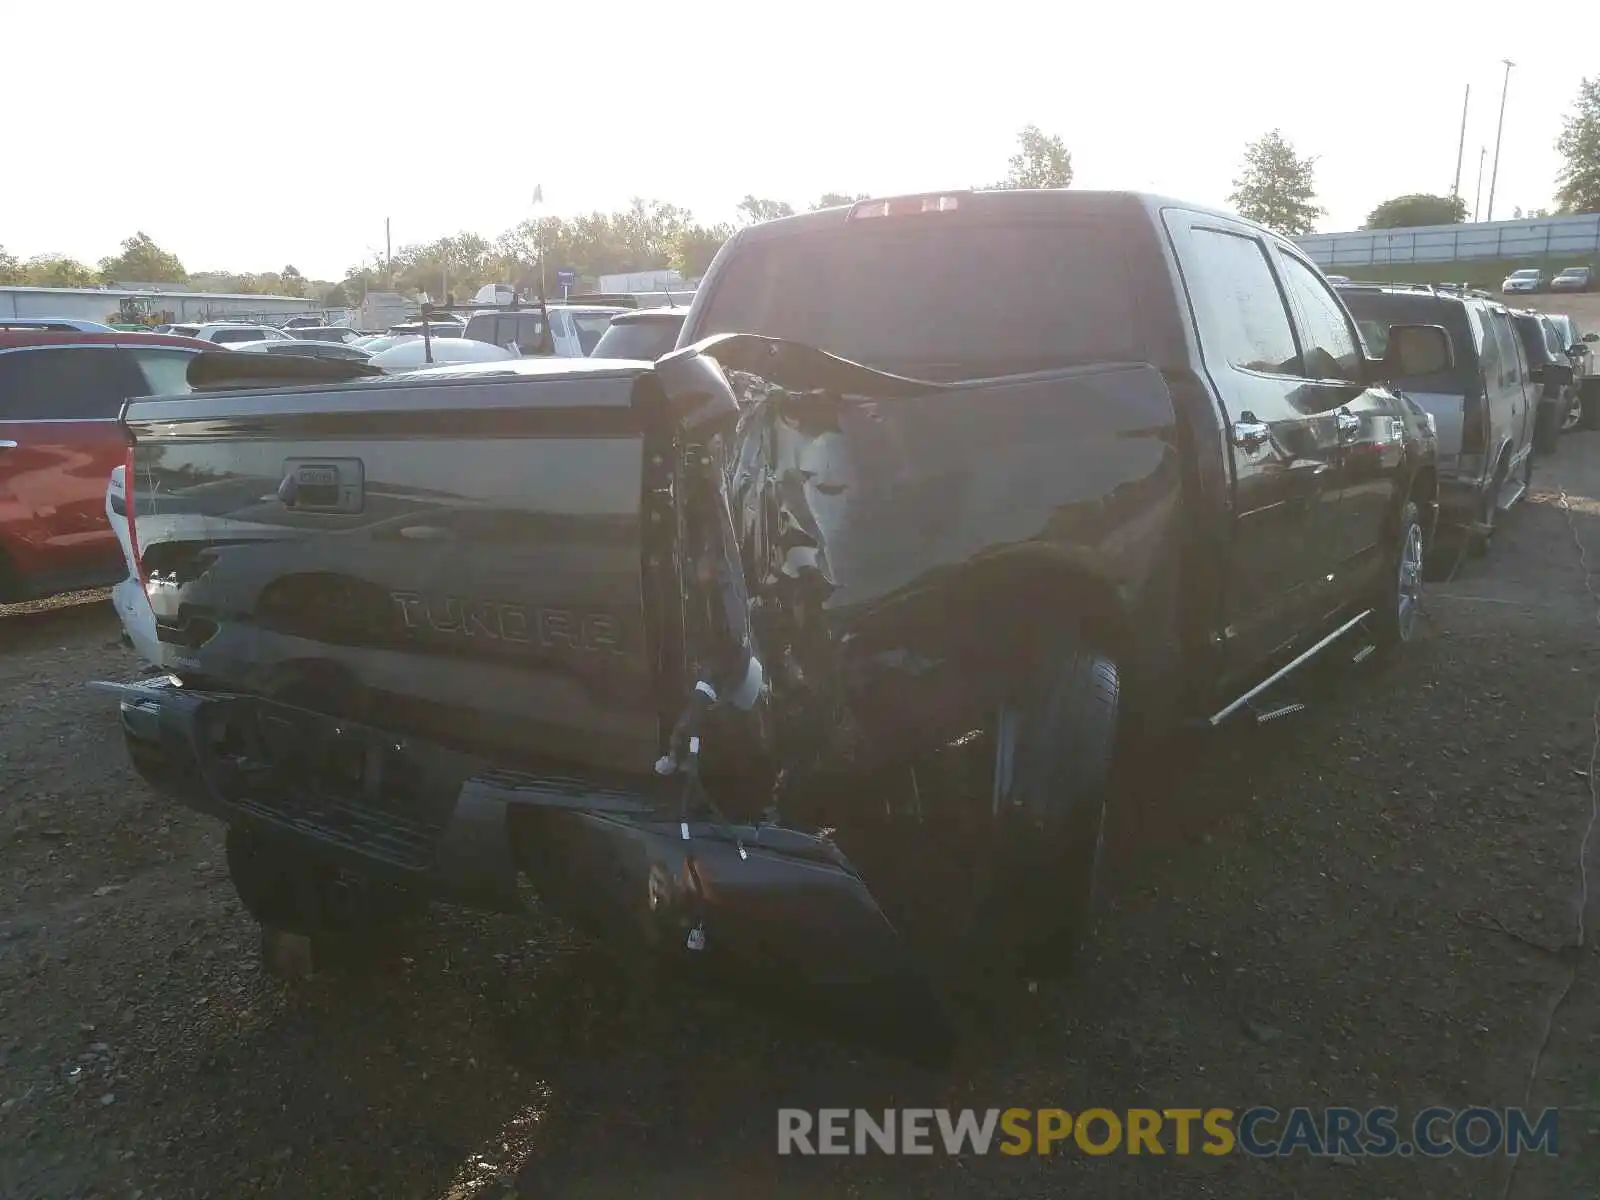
point(246, 138)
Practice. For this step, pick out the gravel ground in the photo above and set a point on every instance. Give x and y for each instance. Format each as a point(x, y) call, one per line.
point(1335, 909)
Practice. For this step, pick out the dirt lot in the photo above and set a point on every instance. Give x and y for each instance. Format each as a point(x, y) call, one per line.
point(1583, 308)
point(1311, 913)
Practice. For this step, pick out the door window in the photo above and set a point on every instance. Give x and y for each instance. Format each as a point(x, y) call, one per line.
point(1489, 353)
point(1238, 306)
point(166, 369)
point(66, 383)
point(1510, 362)
point(1328, 343)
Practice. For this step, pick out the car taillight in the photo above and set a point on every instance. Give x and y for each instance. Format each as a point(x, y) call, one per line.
point(127, 502)
point(904, 206)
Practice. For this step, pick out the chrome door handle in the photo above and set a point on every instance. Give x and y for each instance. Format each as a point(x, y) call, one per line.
point(8, 445)
point(1347, 422)
point(1249, 433)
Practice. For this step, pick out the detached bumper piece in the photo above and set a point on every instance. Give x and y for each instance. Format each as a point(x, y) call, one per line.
point(762, 907)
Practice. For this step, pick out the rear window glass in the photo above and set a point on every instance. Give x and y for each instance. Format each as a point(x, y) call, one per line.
point(958, 299)
point(591, 328)
point(1375, 312)
point(647, 340)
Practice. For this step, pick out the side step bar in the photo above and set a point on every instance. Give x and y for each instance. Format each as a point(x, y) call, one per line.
point(1243, 701)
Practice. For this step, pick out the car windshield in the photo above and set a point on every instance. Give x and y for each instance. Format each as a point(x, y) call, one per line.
point(1526, 273)
point(591, 328)
point(1573, 273)
point(644, 339)
point(957, 299)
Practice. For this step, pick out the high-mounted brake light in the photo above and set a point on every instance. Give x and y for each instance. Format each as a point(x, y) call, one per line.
point(904, 206)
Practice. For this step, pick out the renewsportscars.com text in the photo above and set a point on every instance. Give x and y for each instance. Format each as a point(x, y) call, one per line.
point(1260, 1132)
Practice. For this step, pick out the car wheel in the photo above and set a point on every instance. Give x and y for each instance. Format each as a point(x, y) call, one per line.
point(284, 888)
point(1574, 416)
point(1397, 601)
point(1034, 895)
point(1589, 408)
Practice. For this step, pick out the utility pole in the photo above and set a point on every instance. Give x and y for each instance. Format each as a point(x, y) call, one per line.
point(1477, 196)
point(388, 258)
point(1455, 188)
point(1494, 173)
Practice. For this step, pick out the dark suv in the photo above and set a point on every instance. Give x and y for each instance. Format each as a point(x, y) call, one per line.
point(1550, 368)
point(1485, 405)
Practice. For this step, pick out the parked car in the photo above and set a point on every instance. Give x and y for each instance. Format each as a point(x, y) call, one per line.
point(632, 629)
point(645, 333)
point(1549, 368)
point(1576, 343)
point(322, 333)
point(1529, 279)
point(222, 333)
point(309, 349)
point(575, 330)
point(60, 393)
point(413, 355)
point(447, 328)
point(1484, 404)
point(1574, 279)
point(52, 325)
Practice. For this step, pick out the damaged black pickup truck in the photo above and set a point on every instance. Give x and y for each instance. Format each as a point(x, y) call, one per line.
point(941, 503)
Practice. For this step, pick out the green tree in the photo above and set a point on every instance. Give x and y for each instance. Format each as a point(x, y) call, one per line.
point(294, 283)
point(335, 296)
point(1042, 160)
point(1277, 187)
point(57, 270)
point(837, 200)
point(696, 246)
point(753, 209)
point(142, 261)
point(10, 268)
point(1579, 144)
point(1419, 208)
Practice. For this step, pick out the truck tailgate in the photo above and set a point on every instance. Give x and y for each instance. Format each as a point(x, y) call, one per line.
point(460, 561)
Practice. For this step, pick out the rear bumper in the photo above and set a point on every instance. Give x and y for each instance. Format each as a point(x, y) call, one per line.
point(624, 861)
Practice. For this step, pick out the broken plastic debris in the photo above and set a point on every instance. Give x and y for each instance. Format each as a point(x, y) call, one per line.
point(697, 938)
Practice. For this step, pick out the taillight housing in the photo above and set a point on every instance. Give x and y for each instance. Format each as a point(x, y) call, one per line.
point(127, 502)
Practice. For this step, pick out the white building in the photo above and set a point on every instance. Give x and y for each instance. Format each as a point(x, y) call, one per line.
point(103, 303)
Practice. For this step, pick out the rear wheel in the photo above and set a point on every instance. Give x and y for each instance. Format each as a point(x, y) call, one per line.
point(1589, 405)
point(1397, 601)
point(1035, 890)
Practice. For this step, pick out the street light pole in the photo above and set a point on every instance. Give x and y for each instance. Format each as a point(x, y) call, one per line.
point(1477, 196)
point(1494, 173)
point(1455, 188)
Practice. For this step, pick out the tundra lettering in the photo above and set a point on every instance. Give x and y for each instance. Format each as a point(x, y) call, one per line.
point(548, 627)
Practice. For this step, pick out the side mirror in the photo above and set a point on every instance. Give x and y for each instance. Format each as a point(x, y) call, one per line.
point(1591, 337)
point(1559, 374)
point(1417, 350)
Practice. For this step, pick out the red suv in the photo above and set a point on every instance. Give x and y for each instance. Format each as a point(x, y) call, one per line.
point(60, 394)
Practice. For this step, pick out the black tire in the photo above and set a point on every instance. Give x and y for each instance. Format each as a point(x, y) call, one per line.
point(1590, 405)
point(1035, 893)
point(1397, 601)
point(284, 888)
point(1548, 427)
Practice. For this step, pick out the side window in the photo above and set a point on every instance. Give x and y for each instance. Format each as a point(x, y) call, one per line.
point(1489, 358)
point(1328, 343)
point(530, 329)
point(1510, 362)
point(80, 383)
point(166, 369)
point(1239, 308)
